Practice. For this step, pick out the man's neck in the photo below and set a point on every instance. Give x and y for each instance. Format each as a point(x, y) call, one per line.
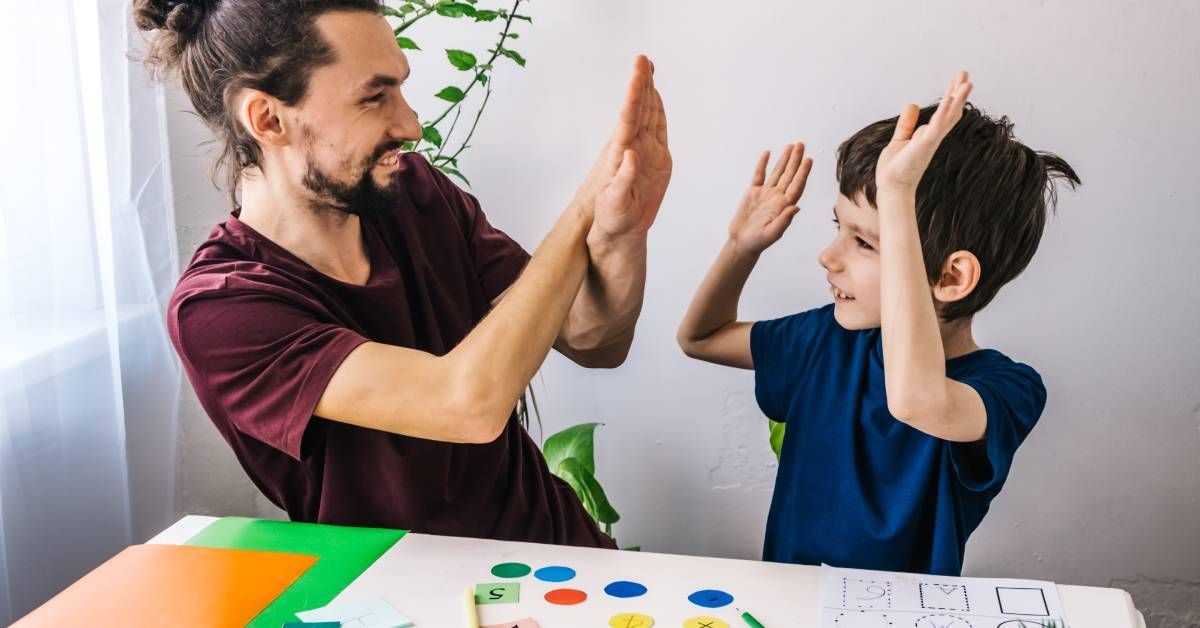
point(328, 240)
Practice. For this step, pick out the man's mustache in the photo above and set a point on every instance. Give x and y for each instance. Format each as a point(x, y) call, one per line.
point(383, 149)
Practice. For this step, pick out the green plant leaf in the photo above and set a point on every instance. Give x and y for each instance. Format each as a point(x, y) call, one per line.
point(777, 430)
point(523, 17)
point(451, 94)
point(454, 173)
point(486, 15)
point(576, 442)
point(455, 9)
point(390, 12)
point(512, 54)
point(407, 44)
point(461, 59)
point(432, 135)
point(513, 36)
point(589, 490)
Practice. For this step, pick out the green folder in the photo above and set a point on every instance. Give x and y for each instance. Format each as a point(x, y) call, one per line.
point(343, 553)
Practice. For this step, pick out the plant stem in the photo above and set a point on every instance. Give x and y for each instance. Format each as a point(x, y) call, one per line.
point(474, 81)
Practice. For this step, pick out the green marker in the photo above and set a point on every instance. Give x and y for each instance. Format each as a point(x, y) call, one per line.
point(750, 620)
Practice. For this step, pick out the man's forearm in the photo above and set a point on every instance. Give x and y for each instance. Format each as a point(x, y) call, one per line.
point(504, 351)
point(599, 329)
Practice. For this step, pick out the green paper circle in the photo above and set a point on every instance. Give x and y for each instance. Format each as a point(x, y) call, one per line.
point(511, 570)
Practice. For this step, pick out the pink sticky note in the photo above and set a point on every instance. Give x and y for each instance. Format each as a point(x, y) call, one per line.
point(521, 623)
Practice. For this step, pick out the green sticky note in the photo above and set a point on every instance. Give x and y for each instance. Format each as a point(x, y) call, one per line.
point(343, 554)
point(498, 593)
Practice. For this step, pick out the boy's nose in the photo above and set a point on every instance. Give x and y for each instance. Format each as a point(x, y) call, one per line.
point(828, 260)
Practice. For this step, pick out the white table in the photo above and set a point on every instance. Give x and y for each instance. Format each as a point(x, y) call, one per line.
point(424, 576)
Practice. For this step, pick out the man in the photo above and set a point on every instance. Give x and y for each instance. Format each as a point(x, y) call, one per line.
point(357, 330)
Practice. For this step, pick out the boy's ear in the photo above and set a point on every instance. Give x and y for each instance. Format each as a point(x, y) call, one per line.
point(959, 276)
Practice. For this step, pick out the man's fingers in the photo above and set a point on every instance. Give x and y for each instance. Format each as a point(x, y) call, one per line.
point(631, 109)
point(660, 119)
point(622, 182)
point(779, 166)
point(760, 170)
point(796, 188)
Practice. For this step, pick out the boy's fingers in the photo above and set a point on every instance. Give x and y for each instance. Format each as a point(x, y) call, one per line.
point(906, 124)
point(784, 219)
point(760, 170)
point(796, 188)
point(779, 166)
point(794, 161)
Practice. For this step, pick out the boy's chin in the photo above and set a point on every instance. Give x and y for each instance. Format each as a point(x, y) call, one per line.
point(851, 319)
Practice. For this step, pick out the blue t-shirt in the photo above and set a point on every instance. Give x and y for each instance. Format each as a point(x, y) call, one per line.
point(858, 488)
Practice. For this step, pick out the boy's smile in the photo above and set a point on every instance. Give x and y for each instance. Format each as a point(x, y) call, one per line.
point(852, 260)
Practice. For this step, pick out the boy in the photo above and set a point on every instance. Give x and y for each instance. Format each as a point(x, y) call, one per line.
point(890, 468)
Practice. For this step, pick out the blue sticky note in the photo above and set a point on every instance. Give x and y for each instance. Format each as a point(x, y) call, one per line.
point(362, 613)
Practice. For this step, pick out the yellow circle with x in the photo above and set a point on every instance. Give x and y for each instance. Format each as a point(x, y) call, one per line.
point(705, 622)
point(631, 620)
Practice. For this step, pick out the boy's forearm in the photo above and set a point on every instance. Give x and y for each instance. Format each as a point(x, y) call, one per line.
point(914, 359)
point(716, 301)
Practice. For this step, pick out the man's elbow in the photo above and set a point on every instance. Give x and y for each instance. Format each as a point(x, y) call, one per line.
point(479, 411)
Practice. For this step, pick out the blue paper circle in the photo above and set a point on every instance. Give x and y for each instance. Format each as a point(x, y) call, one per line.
point(624, 588)
point(556, 573)
point(710, 598)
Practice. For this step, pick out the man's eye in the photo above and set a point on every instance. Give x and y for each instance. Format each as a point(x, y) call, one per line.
point(376, 98)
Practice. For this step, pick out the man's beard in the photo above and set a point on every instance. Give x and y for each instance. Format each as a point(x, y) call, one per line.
point(363, 198)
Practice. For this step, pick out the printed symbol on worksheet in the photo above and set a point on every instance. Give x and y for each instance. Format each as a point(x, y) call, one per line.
point(1022, 601)
point(944, 597)
point(1022, 623)
point(860, 593)
point(942, 621)
point(863, 619)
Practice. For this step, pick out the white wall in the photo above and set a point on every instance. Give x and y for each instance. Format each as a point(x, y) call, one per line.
point(1108, 485)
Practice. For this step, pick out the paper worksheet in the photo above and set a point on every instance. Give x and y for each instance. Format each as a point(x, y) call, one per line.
point(854, 598)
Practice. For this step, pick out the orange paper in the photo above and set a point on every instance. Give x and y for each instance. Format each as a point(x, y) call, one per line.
point(173, 585)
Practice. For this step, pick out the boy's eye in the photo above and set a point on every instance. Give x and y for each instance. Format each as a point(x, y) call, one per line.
point(863, 244)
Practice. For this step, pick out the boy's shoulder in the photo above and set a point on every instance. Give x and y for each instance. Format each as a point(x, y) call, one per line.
point(983, 363)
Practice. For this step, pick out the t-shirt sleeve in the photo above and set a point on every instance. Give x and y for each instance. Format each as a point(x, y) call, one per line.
point(260, 361)
point(497, 258)
point(1014, 398)
point(780, 349)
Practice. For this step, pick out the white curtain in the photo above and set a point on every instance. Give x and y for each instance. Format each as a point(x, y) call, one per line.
point(88, 381)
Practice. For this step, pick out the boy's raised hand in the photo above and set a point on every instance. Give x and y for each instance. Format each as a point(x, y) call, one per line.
point(769, 204)
point(904, 160)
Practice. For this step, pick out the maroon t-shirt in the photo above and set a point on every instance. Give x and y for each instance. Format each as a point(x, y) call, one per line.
point(261, 332)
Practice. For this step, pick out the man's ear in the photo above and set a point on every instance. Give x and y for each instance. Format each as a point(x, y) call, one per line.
point(959, 276)
point(262, 117)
